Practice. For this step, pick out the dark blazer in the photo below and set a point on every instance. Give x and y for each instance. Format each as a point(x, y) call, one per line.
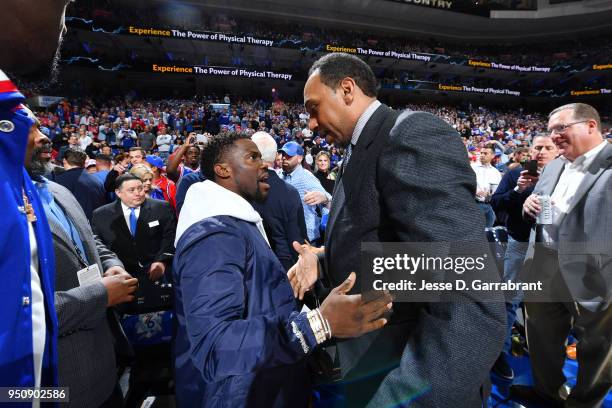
point(408, 180)
point(283, 218)
point(85, 187)
point(511, 202)
point(152, 243)
point(85, 345)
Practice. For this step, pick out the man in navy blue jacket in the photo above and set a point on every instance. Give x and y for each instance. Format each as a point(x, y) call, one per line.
point(513, 190)
point(282, 211)
point(87, 189)
point(241, 341)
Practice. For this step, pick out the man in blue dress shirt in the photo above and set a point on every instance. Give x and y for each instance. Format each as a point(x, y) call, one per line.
point(28, 329)
point(315, 199)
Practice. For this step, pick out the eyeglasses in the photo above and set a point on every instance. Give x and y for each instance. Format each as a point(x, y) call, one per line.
point(562, 128)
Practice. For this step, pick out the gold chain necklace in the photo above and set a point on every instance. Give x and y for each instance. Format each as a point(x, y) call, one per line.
point(28, 209)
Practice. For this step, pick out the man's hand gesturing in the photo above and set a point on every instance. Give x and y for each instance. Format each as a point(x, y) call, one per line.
point(305, 272)
point(350, 315)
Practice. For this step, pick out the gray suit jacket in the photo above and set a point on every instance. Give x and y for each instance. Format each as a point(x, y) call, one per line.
point(86, 357)
point(585, 231)
point(408, 180)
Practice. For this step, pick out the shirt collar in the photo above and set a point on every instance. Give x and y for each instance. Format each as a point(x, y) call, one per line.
point(126, 209)
point(583, 161)
point(42, 186)
point(296, 171)
point(363, 119)
point(486, 166)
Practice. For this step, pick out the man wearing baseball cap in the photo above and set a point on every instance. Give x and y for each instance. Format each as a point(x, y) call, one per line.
point(90, 166)
point(160, 181)
point(311, 191)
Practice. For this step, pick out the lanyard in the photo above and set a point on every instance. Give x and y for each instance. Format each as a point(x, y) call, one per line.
point(68, 227)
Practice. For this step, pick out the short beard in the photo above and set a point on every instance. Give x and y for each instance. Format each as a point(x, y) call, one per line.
point(37, 167)
point(45, 75)
point(259, 197)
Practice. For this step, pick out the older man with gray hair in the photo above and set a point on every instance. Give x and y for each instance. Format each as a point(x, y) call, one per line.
point(570, 253)
point(282, 212)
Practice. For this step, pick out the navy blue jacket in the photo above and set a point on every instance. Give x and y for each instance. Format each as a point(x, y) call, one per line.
point(509, 201)
point(183, 185)
point(236, 342)
point(283, 218)
point(85, 187)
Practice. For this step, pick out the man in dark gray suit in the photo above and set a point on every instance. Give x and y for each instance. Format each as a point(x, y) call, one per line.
point(405, 178)
point(88, 329)
point(572, 255)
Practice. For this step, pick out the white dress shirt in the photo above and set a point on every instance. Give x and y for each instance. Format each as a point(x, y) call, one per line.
point(563, 194)
point(127, 212)
point(487, 178)
point(163, 142)
point(84, 142)
point(39, 324)
point(363, 119)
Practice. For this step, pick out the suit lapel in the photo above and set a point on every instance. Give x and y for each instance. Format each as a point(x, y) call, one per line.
point(350, 176)
point(143, 218)
point(599, 165)
point(58, 232)
point(118, 223)
point(78, 221)
point(556, 169)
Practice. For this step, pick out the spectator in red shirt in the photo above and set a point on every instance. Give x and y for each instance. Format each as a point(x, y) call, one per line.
point(168, 188)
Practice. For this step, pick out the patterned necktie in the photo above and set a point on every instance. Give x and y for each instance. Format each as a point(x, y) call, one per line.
point(286, 176)
point(347, 156)
point(133, 221)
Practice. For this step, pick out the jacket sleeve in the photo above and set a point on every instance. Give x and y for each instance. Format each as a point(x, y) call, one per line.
point(107, 257)
point(80, 308)
point(296, 228)
point(224, 339)
point(505, 197)
point(428, 187)
point(83, 307)
point(302, 231)
point(319, 187)
point(168, 221)
point(109, 182)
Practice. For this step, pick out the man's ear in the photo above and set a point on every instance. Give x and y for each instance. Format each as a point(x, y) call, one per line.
point(222, 170)
point(347, 87)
